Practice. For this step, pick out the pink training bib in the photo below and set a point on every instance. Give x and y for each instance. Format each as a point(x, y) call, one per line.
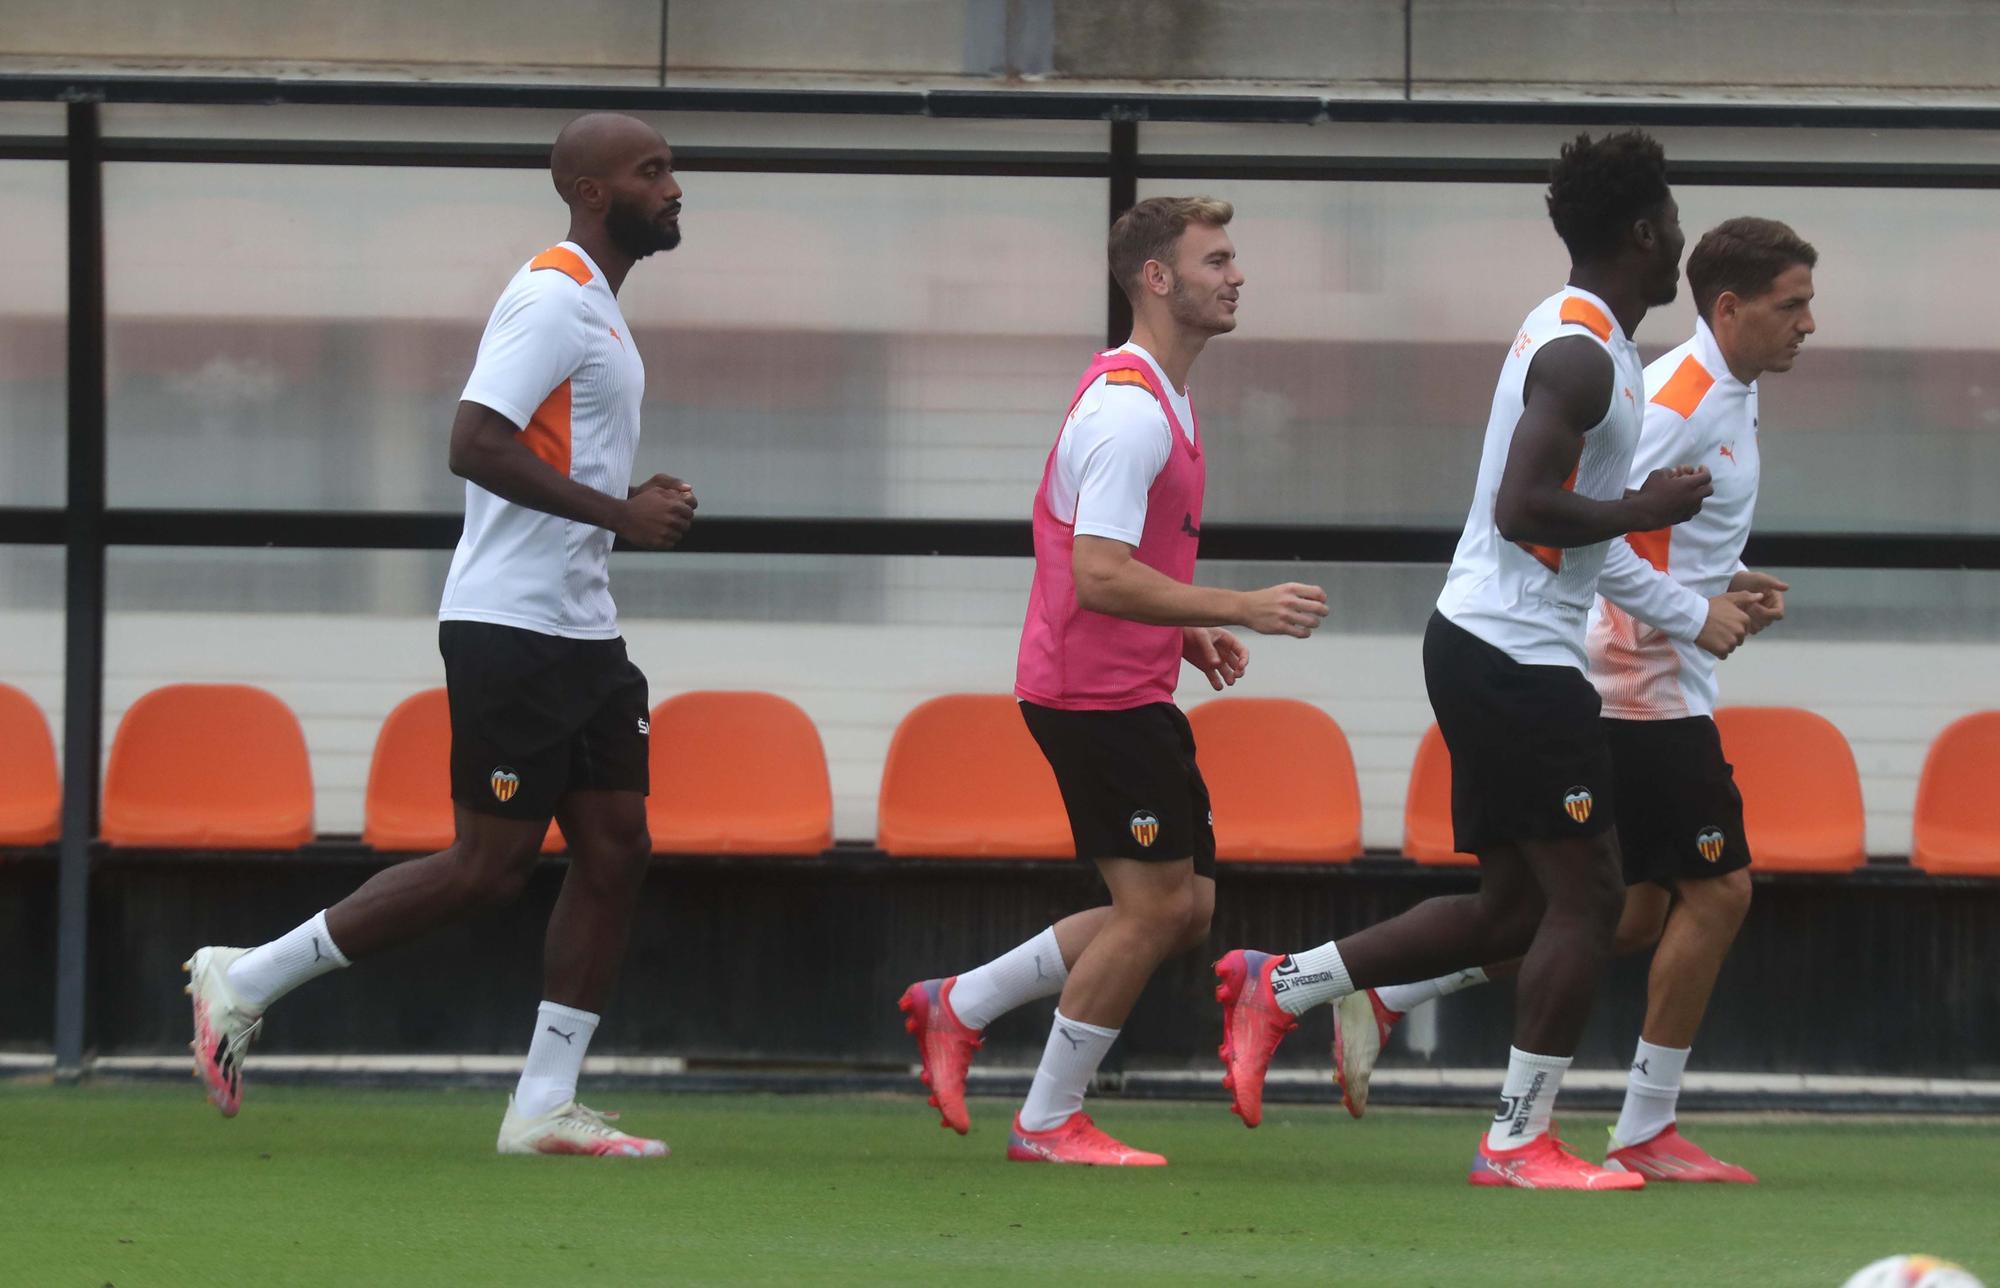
point(1076, 660)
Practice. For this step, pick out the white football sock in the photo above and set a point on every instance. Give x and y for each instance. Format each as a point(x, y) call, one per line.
point(1527, 1098)
point(1021, 974)
point(1304, 980)
point(1652, 1089)
point(269, 971)
point(555, 1058)
point(1068, 1064)
point(1404, 998)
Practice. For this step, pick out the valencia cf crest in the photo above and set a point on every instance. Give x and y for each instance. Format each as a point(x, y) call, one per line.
point(505, 783)
point(1709, 841)
point(1577, 801)
point(1145, 827)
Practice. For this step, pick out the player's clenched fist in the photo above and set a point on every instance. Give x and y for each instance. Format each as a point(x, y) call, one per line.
point(656, 518)
point(1674, 495)
point(1291, 609)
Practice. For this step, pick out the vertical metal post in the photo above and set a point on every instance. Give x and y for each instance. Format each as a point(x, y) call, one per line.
point(1124, 195)
point(1409, 48)
point(83, 652)
point(663, 44)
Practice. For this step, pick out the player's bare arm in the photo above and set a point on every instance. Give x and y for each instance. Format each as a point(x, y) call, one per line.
point(1568, 391)
point(487, 449)
point(1110, 581)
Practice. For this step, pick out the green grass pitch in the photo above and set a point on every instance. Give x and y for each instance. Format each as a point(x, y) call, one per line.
point(143, 1185)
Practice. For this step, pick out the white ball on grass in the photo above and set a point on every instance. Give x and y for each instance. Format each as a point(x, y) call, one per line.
point(1913, 1270)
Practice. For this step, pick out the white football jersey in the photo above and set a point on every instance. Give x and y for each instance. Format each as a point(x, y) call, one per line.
point(1532, 602)
point(558, 361)
point(1656, 585)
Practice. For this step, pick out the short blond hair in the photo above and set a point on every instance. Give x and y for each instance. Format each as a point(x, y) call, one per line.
point(1151, 230)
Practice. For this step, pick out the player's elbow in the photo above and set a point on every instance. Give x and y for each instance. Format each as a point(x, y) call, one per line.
point(1511, 520)
point(465, 460)
point(1096, 572)
point(1093, 590)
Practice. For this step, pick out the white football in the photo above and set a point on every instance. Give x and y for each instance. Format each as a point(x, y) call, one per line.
point(1913, 1270)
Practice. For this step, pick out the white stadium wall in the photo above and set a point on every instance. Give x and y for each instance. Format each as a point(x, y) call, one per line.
point(1595, 47)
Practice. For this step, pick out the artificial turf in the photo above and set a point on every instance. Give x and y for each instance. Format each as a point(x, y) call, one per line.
point(139, 1185)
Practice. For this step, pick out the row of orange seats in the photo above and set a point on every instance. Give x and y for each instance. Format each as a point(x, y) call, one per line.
point(201, 766)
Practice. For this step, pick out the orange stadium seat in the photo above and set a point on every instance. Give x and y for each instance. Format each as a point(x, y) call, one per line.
point(1801, 791)
point(409, 806)
point(1281, 779)
point(964, 779)
point(409, 778)
point(737, 773)
point(1427, 832)
point(209, 767)
point(30, 790)
point(1957, 830)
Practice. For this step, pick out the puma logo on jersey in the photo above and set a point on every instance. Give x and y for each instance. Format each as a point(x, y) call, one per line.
point(1729, 450)
point(1630, 399)
point(614, 335)
point(1187, 526)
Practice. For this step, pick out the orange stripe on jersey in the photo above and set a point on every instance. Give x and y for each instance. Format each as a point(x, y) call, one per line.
point(548, 432)
point(1127, 376)
point(1588, 316)
point(563, 260)
point(1683, 392)
point(1551, 557)
point(1652, 546)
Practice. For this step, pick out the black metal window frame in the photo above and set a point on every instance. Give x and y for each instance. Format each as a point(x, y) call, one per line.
point(86, 528)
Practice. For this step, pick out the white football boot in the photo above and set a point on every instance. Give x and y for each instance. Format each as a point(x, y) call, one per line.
point(223, 1029)
point(573, 1129)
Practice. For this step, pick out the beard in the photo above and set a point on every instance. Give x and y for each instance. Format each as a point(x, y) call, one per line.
point(1666, 288)
point(634, 234)
point(1181, 306)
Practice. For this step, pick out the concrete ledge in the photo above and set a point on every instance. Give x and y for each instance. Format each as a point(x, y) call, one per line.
point(1435, 1088)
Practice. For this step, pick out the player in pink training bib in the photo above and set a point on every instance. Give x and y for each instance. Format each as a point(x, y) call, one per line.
point(1111, 617)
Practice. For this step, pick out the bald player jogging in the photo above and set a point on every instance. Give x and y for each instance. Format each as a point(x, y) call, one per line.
point(1504, 661)
point(548, 716)
point(1111, 617)
point(1672, 604)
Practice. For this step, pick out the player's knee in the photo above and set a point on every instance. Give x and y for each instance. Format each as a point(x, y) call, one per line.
point(1635, 936)
point(491, 873)
point(1200, 913)
point(1509, 923)
point(1166, 912)
point(1512, 932)
point(1723, 901)
point(1600, 891)
point(622, 852)
point(1592, 897)
point(1644, 919)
